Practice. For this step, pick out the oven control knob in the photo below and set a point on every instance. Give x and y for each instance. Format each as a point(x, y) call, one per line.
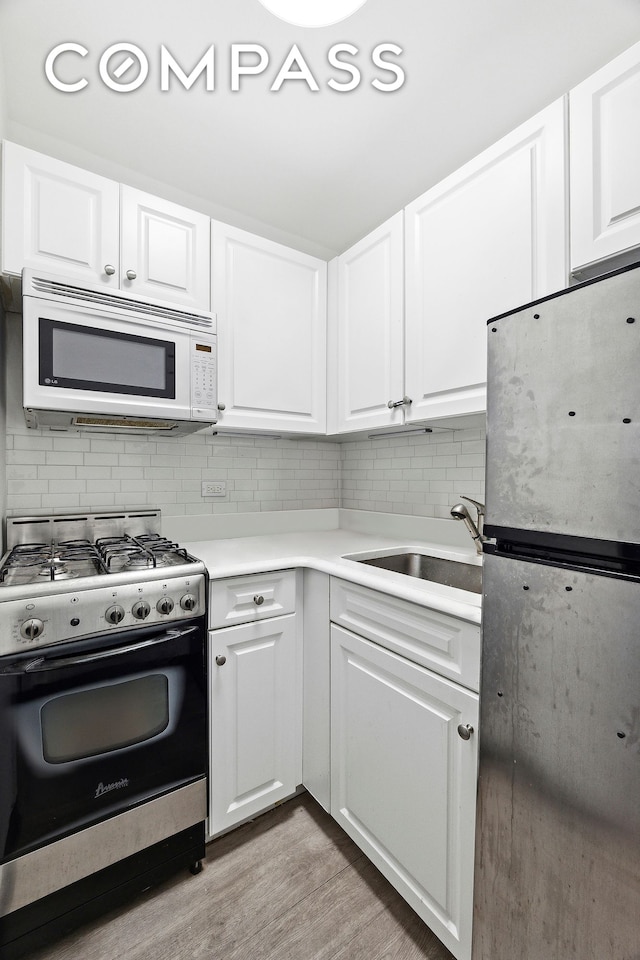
point(164, 605)
point(189, 602)
point(141, 610)
point(31, 629)
point(114, 614)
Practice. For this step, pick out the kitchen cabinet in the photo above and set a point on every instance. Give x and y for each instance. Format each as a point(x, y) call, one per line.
point(58, 217)
point(605, 158)
point(368, 326)
point(404, 716)
point(409, 322)
point(255, 700)
point(403, 780)
point(444, 644)
point(271, 304)
point(486, 239)
point(65, 220)
point(167, 247)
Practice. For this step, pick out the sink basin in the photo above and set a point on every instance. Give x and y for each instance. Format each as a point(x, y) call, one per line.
point(451, 573)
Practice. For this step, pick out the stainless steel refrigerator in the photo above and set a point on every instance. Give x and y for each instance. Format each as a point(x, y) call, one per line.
point(558, 835)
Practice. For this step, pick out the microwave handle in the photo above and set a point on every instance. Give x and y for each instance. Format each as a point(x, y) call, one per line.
point(41, 664)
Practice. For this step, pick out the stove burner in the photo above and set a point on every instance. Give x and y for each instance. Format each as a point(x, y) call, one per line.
point(144, 551)
point(40, 560)
point(56, 569)
point(32, 562)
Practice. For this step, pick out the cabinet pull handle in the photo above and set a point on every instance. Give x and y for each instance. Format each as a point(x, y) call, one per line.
point(131, 275)
point(399, 403)
point(220, 660)
point(221, 407)
point(258, 600)
point(109, 269)
point(465, 730)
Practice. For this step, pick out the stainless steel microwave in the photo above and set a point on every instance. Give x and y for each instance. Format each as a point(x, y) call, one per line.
point(108, 361)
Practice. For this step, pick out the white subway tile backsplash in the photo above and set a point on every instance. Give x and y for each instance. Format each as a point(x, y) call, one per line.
point(421, 475)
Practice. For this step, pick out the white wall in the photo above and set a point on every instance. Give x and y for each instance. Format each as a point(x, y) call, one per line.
point(3, 101)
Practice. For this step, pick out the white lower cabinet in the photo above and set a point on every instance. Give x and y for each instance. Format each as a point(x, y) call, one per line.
point(403, 780)
point(254, 718)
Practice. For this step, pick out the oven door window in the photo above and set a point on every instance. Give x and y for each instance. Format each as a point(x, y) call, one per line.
point(94, 722)
point(107, 361)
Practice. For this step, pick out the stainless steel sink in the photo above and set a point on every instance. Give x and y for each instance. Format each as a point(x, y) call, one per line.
point(451, 573)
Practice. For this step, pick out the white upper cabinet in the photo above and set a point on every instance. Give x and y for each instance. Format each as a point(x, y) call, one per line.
point(605, 162)
point(63, 219)
point(368, 333)
point(485, 240)
point(167, 248)
point(271, 303)
point(58, 217)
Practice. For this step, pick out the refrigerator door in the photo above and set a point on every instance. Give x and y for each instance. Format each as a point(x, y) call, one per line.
point(563, 417)
point(558, 834)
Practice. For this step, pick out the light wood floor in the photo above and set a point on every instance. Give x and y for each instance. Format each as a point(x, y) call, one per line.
point(288, 886)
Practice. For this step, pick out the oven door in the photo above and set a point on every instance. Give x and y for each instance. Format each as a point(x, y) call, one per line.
point(93, 727)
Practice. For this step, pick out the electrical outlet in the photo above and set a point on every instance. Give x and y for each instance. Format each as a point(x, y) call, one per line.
point(214, 488)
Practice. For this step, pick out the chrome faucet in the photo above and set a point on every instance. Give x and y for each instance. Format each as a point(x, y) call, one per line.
point(460, 512)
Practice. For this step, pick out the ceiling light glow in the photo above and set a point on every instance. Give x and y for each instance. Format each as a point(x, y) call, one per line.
point(312, 13)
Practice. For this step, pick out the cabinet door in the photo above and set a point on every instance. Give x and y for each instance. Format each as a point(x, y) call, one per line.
point(403, 782)
point(167, 247)
point(271, 306)
point(255, 727)
point(58, 217)
point(487, 239)
point(605, 159)
point(369, 332)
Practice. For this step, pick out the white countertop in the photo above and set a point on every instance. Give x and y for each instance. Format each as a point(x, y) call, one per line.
point(324, 550)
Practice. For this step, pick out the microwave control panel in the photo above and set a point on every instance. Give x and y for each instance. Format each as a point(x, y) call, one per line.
point(203, 378)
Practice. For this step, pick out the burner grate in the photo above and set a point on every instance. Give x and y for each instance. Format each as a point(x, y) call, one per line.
point(39, 561)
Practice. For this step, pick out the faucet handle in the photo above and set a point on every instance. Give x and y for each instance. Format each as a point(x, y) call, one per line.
point(479, 506)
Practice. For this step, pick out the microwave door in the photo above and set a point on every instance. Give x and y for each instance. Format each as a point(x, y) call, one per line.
point(80, 361)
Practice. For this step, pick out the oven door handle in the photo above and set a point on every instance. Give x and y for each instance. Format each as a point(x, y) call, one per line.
point(42, 664)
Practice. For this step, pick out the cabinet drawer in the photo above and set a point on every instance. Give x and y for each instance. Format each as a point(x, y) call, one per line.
point(255, 597)
point(444, 644)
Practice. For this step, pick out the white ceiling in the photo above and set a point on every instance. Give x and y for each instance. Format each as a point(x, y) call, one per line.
point(316, 169)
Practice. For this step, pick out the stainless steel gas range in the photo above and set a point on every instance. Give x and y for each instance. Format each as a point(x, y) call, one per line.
point(102, 717)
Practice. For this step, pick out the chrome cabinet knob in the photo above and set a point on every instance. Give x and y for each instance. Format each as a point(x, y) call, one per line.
point(258, 600)
point(221, 661)
point(31, 629)
point(114, 614)
point(109, 269)
point(465, 730)
point(131, 275)
point(221, 407)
